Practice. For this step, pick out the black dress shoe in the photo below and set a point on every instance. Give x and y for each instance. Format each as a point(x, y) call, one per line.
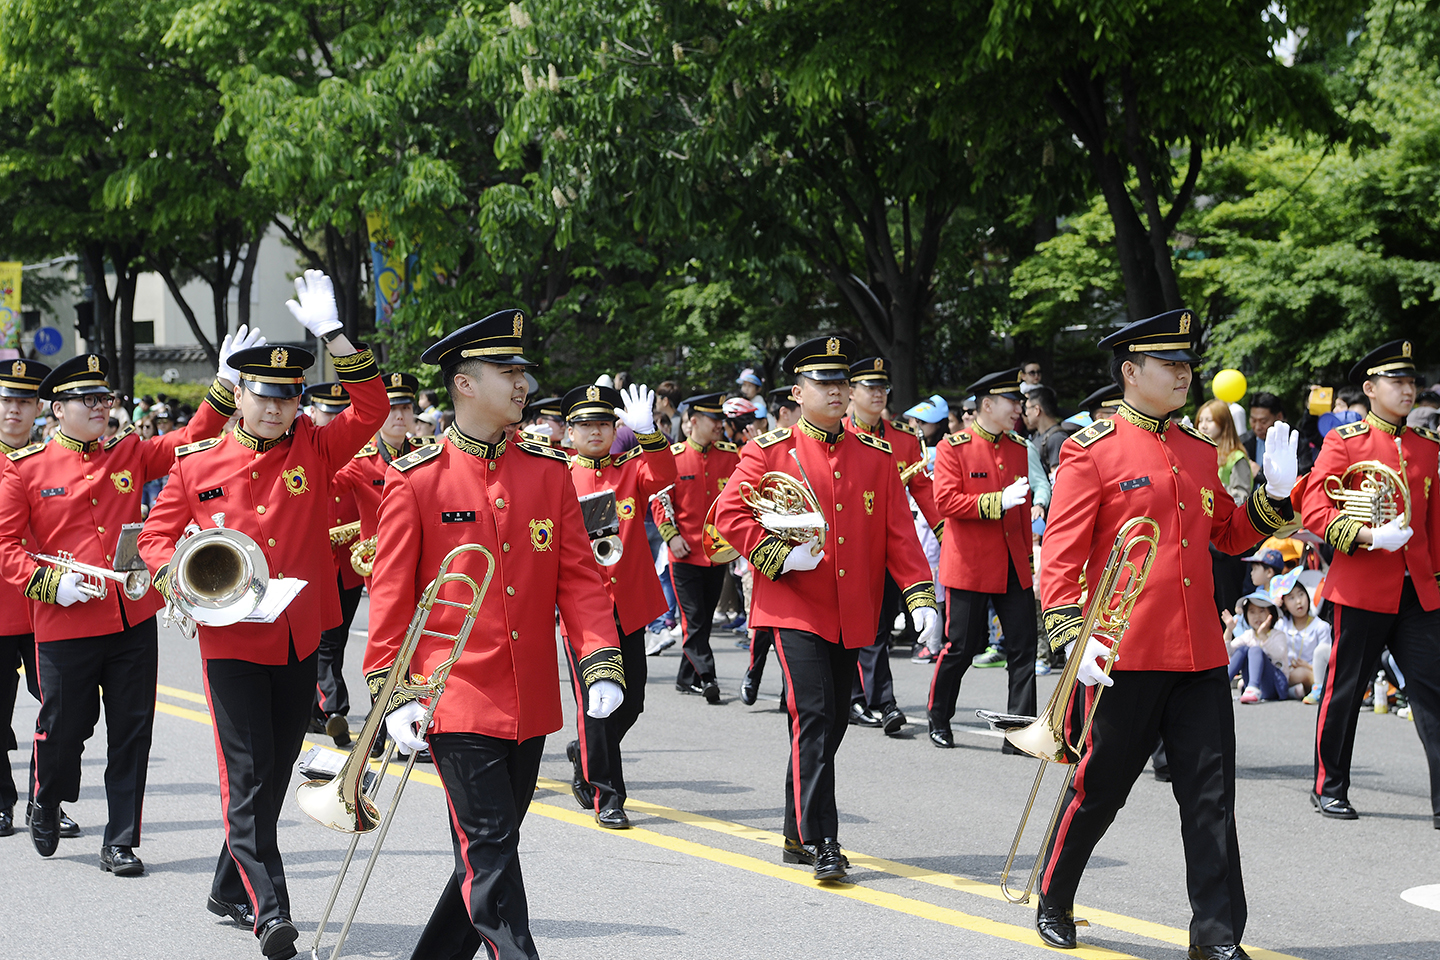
point(317, 725)
point(943, 739)
point(277, 939)
point(1056, 925)
point(69, 829)
point(1436, 818)
point(424, 757)
point(1228, 951)
point(337, 728)
point(1334, 807)
point(711, 689)
point(242, 913)
point(7, 822)
point(120, 861)
point(861, 716)
point(45, 830)
point(830, 863)
point(747, 692)
point(689, 688)
point(1162, 774)
point(797, 852)
point(613, 819)
point(891, 719)
point(580, 788)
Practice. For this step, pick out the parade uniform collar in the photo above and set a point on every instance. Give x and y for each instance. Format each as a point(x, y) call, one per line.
point(815, 433)
point(251, 442)
point(1383, 425)
point(1130, 415)
point(591, 464)
point(877, 430)
point(70, 443)
point(982, 433)
point(697, 447)
point(6, 448)
point(476, 448)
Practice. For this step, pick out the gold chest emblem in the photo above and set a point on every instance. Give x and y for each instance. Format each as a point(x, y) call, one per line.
point(869, 499)
point(124, 482)
point(542, 533)
point(625, 509)
point(295, 480)
point(720, 486)
point(1207, 501)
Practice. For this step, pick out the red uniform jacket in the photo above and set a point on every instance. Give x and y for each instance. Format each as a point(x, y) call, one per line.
point(635, 476)
point(871, 531)
point(905, 444)
point(278, 493)
point(971, 468)
point(363, 478)
point(518, 501)
point(75, 497)
point(343, 510)
point(15, 604)
point(1131, 466)
point(1371, 579)
point(700, 475)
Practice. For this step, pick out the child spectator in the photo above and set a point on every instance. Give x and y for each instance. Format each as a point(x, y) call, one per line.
point(1265, 566)
point(1258, 653)
point(1307, 636)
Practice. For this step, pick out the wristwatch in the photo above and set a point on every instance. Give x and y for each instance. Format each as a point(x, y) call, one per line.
point(329, 336)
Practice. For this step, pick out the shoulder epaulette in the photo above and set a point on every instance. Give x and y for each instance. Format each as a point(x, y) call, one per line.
point(186, 449)
point(1186, 428)
point(1017, 438)
point(538, 449)
point(873, 441)
point(416, 457)
point(129, 429)
point(725, 446)
point(958, 438)
point(529, 436)
point(628, 455)
point(369, 450)
point(423, 441)
point(903, 427)
point(1348, 430)
point(677, 448)
point(1427, 433)
point(24, 452)
point(773, 437)
point(1096, 430)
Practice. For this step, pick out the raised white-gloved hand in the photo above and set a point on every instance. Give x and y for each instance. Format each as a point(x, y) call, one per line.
point(639, 411)
point(1015, 494)
point(243, 339)
point(927, 623)
point(1281, 464)
point(1091, 671)
point(400, 724)
point(605, 698)
point(1389, 537)
point(316, 310)
point(69, 590)
point(805, 556)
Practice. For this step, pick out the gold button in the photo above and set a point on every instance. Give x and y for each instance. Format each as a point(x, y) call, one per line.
point(492, 464)
point(1182, 506)
point(22, 541)
point(614, 580)
point(499, 503)
point(94, 502)
point(89, 477)
point(1176, 469)
point(837, 474)
point(1187, 581)
point(1184, 542)
point(839, 507)
point(842, 573)
point(260, 509)
point(514, 634)
point(505, 547)
point(87, 458)
point(337, 499)
point(101, 529)
point(510, 590)
point(279, 576)
point(272, 541)
point(840, 540)
point(599, 473)
point(108, 557)
point(255, 475)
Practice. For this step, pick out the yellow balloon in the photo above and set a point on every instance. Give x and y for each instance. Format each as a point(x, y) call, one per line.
point(1229, 385)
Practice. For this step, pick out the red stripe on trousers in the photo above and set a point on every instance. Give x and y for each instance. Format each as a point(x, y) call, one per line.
point(1325, 704)
point(1078, 784)
point(225, 787)
point(794, 737)
point(944, 649)
point(464, 855)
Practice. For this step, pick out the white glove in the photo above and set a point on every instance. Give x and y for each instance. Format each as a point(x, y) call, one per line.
point(316, 310)
point(639, 412)
point(243, 339)
point(605, 698)
point(1281, 465)
point(1015, 494)
point(1091, 671)
point(69, 590)
point(1390, 537)
point(805, 556)
point(927, 622)
point(400, 724)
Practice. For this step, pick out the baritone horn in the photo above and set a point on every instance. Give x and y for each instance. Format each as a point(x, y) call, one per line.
point(217, 578)
point(1371, 492)
point(1107, 617)
point(93, 579)
point(342, 803)
point(362, 555)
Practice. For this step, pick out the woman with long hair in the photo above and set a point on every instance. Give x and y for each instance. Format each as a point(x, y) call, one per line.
point(1215, 422)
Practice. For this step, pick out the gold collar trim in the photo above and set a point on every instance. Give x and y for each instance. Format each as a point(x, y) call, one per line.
point(876, 430)
point(815, 433)
point(1130, 415)
point(982, 433)
point(695, 446)
point(251, 442)
point(1383, 425)
point(476, 448)
point(590, 464)
point(6, 448)
point(70, 443)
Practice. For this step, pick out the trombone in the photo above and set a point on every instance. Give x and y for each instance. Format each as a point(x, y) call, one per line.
point(342, 803)
point(1107, 616)
point(135, 583)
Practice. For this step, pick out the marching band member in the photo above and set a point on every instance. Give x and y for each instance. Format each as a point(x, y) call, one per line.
point(1383, 578)
point(703, 463)
point(634, 588)
point(982, 488)
point(1170, 678)
point(517, 500)
point(72, 496)
point(824, 605)
point(268, 479)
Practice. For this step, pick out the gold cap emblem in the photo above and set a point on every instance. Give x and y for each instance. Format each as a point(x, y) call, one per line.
point(336, 390)
point(519, 322)
point(17, 369)
point(832, 347)
point(92, 363)
point(279, 357)
point(1185, 322)
point(1405, 349)
point(396, 379)
point(592, 392)
point(879, 364)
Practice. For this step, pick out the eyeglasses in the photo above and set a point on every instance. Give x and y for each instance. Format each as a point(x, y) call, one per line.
point(103, 401)
point(1031, 373)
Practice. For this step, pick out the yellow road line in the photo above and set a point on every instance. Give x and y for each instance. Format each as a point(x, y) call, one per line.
point(179, 694)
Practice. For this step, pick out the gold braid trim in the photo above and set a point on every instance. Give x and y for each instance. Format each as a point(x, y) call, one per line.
point(43, 584)
point(919, 595)
point(1062, 624)
point(603, 664)
point(1343, 533)
point(650, 442)
point(939, 531)
point(356, 368)
point(990, 506)
point(668, 531)
point(768, 557)
point(375, 679)
point(1266, 514)
point(161, 581)
point(221, 399)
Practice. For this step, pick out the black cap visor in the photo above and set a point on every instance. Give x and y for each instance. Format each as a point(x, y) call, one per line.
point(1181, 356)
point(280, 391)
point(826, 376)
point(19, 393)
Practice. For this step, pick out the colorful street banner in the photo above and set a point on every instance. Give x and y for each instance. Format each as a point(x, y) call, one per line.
point(390, 273)
point(11, 323)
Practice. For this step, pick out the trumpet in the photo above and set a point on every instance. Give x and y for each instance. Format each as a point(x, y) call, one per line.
point(342, 804)
point(344, 533)
point(362, 555)
point(135, 583)
point(1371, 492)
point(1107, 616)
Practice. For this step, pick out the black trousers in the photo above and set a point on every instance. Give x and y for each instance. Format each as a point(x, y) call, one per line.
point(966, 633)
point(818, 674)
point(1413, 636)
point(331, 694)
point(1193, 714)
point(72, 675)
point(14, 651)
point(488, 784)
point(761, 640)
point(697, 591)
point(874, 684)
point(261, 712)
point(600, 739)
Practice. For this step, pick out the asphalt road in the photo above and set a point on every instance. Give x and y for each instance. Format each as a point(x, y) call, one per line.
point(700, 875)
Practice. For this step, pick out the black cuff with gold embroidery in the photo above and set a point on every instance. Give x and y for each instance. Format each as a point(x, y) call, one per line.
point(603, 664)
point(768, 557)
point(990, 508)
point(375, 679)
point(43, 584)
point(161, 581)
point(1343, 533)
point(1266, 513)
point(668, 531)
point(357, 367)
point(1062, 624)
point(939, 531)
point(653, 441)
point(221, 399)
point(919, 595)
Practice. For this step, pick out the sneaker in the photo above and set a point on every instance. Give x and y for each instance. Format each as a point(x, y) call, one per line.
point(1251, 695)
point(656, 643)
point(1313, 697)
point(922, 654)
point(992, 657)
point(738, 624)
point(1297, 691)
point(1042, 668)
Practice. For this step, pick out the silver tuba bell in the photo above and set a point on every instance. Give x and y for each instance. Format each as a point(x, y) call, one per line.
point(217, 577)
point(603, 524)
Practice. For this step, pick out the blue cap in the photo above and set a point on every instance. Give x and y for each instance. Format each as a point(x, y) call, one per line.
point(934, 410)
point(748, 376)
point(1273, 559)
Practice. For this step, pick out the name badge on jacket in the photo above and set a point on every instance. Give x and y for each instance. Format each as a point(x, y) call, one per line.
point(457, 516)
point(210, 494)
point(1135, 484)
point(53, 492)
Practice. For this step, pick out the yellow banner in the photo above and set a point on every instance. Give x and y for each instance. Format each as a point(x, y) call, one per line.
point(10, 319)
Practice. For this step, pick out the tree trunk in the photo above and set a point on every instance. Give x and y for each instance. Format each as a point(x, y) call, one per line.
point(168, 275)
point(102, 320)
point(247, 276)
point(127, 274)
